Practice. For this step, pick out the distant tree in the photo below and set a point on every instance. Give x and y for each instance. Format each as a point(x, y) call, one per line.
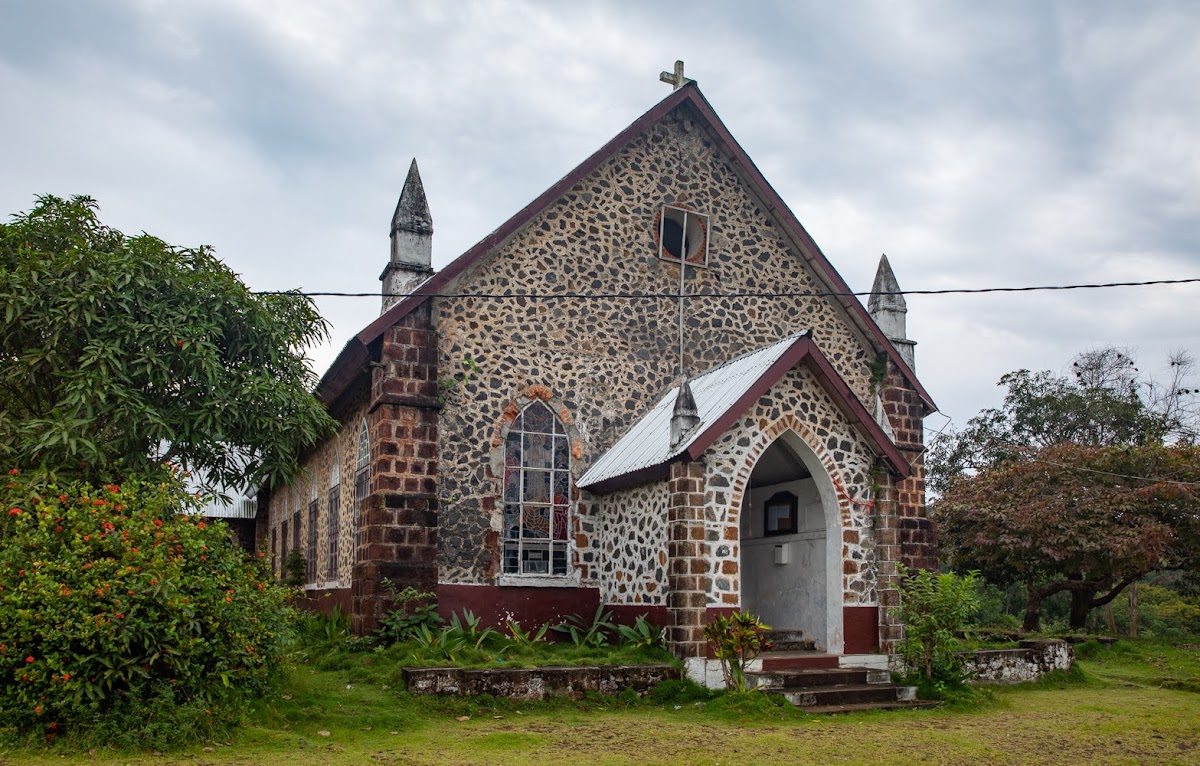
point(1107, 401)
point(119, 353)
point(1083, 519)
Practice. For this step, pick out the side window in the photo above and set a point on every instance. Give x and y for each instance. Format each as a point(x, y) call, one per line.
point(310, 556)
point(335, 512)
point(537, 494)
point(362, 482)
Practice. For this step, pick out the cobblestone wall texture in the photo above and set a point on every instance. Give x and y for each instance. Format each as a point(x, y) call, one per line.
point(607, 360)
point(796, 403)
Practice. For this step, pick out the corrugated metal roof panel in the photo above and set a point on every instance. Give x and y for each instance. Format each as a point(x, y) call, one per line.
point(648, 442)
point(236, 508)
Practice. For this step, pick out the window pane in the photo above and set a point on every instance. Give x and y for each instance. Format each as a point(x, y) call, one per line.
point(537, 451)
point(562, 453)
point(539, 419)
point(511, 557)
point(560, 522)
point(534, 559)
point(512, 521)
point(512, 449)
point(537, 487)
point(512, 485)
point(562, 487)
point(537, 522)
point(559, 559)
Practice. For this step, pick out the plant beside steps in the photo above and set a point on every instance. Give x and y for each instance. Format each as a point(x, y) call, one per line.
point(836, 690)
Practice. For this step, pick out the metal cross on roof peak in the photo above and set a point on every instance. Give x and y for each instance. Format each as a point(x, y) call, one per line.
point(675, 79)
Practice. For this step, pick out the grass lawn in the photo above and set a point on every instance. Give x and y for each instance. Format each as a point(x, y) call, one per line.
point(1121, 714)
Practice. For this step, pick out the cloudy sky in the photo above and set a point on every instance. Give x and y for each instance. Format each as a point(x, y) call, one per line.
point(977, 144)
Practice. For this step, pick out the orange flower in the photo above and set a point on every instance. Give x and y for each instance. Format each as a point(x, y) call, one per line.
point(29, 658)
point(14, 512)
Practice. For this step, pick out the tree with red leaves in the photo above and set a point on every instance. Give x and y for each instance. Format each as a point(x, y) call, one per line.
point(1067, 517)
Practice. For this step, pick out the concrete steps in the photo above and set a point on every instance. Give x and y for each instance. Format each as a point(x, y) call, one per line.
point(824, 688)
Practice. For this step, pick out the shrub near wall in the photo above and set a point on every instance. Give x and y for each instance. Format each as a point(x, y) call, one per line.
point(124, 620)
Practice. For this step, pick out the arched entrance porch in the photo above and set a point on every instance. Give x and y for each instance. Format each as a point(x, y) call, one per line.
point(791, 544)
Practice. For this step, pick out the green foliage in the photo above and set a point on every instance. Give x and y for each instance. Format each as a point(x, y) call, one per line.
point(470, 630)
point(583, 632)
point(737, 639)
point(126, 620)
point(934, 608)
point(410, 610)
point(1106, 402)
point(116, 348)
point(294, 571)
point(1161, 612)
point(526, 639)
point(642, 633)
point(682, 692)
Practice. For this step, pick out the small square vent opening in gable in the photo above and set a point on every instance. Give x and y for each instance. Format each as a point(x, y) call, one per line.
point(683, 235)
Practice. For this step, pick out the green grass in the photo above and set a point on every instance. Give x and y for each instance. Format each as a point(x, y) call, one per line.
point(1116, 709)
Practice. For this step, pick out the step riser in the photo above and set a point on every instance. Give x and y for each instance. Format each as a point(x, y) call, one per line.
point(797, 663)
point(815, 697)
point(794, 680)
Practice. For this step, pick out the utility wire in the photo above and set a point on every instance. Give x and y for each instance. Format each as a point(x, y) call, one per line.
point(783, 294)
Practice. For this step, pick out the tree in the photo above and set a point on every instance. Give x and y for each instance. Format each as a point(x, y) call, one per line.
point(118, 354)
point(1106, 401)
point(1083, 519)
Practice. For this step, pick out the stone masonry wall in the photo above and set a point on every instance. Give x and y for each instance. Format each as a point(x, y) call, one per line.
point(796, 403)
point(608, 359)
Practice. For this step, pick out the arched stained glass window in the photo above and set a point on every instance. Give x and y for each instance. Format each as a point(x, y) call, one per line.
point(537, 494)
point(362, 481)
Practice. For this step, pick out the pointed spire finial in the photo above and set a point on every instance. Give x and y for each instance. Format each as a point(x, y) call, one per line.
point(412, 211)
point(685, 416)
point(885, 293)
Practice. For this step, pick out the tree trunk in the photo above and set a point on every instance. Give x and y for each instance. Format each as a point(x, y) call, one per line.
point(1109, 619)
point(1133, 610)
point(1033, 609)
point(1081, 604)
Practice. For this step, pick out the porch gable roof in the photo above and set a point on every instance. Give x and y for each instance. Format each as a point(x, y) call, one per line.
point(722, 395)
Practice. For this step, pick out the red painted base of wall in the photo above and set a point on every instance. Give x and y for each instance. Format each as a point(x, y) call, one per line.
point(532, 607)
point(325, 600)
point(860, 627)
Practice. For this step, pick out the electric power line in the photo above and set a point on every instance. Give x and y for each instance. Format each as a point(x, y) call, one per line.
point(752, 294)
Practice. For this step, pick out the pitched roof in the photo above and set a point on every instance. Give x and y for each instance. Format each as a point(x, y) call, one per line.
point(723, 394)
point(354, 356)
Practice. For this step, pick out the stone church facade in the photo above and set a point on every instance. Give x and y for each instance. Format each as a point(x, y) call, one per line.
point(533, 457)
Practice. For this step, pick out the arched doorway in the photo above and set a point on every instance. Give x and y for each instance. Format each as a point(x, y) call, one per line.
point(791, 544)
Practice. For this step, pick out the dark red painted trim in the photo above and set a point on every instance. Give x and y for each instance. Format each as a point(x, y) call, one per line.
point(656, 472)
point(777, 206)
point(860, 629)
point(353, 356)
point(803, 350)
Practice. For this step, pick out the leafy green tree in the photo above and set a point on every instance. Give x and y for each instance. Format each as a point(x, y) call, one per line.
point(118, 354)
point(1069, 517)
point(1106, 401)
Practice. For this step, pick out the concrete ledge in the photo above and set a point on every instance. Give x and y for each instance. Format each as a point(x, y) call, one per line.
point(1011, 666)
point(537, 683)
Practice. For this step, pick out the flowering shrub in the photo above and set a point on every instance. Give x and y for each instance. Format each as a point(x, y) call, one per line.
point(121, 614)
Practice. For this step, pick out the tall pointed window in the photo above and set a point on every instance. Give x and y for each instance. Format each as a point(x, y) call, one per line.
point(362, 482)
point(537, 494)
point(296, 503)
point(310, 556)
point(333, 528)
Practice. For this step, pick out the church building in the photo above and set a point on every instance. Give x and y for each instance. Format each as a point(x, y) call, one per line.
point(647, 389)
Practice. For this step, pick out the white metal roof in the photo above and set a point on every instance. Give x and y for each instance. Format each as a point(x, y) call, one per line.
point(648, 443)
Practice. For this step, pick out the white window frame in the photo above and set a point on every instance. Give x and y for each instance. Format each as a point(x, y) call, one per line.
point(362, 483)
point(517, 566)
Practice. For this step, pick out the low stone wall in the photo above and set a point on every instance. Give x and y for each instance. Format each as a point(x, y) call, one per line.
point(1028, 663)
point(537, 683)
